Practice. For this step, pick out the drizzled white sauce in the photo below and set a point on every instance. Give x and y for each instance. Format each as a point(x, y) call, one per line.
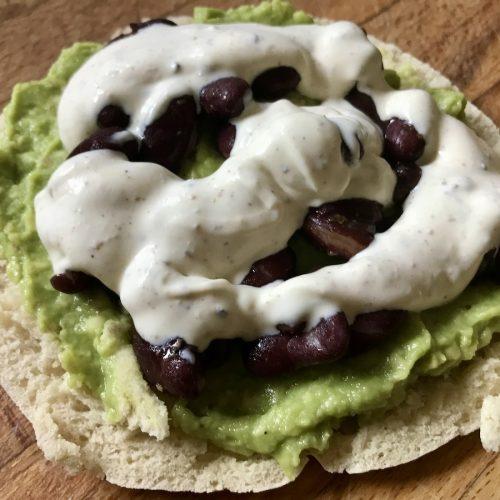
point(176, 250)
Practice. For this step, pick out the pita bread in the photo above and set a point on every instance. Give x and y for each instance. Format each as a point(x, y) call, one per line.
point(71, 428)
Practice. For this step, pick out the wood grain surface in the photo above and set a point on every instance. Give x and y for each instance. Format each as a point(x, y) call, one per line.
point(461, 38)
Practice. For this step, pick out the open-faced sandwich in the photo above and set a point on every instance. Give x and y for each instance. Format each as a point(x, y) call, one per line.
point(235, 241)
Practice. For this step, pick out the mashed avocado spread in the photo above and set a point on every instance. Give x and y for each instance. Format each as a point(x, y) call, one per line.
point(281, 416)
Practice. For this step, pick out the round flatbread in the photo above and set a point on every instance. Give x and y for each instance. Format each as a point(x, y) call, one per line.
point(71, 427)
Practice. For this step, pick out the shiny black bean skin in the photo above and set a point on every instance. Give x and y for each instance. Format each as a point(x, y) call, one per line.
point(268, 356)
point(224, 98)
point(275, 83)
point(112, 116)
point(103, 139)
point(225, 139)
point(378, 323)
point(282, 353)
point(391, 215)
point(174, 367)
point(296, 329)
point(337, 239)
point(402, 142)
point(343, 228)
point(366, 104)
point(327, 341)
point(71, 282)
point(361, 210)
point(279, 266)
point(170, 138)
point(369, 329)
point(407, 177)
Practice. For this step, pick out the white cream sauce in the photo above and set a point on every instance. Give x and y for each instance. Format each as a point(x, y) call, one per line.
point(175, 250)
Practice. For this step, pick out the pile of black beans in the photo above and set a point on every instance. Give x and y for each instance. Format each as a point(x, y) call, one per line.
point(341, 228)
point(177, 367)
point(172, 137)
point(346, 227)
point(403, 145)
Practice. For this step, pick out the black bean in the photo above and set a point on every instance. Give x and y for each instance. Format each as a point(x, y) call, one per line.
point(402, 142)
point(135, 27)
point(225, 139)
point(377, 323)
point(361, 210)
point(173, 366)
point(284, 352)
point(223, 98)
point(71, 281)
point(112, 116)
point(275, 83)
point(296, 329)
point(391, 215)
point(106, 139)
point(343, 228)
point(327, 341)
point(170, 138)
point(278, 266)
point(364, 103)
point(268, 356)
point(408, 175)
point(369, 329)
point(337, 239)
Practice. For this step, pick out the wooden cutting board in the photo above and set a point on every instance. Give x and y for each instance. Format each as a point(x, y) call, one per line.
point(461, 38)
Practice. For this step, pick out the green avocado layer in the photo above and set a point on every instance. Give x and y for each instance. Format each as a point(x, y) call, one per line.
point(281, 416)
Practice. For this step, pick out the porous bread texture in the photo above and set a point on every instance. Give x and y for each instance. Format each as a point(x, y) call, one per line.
point(71, 428)
point(435, 411)
point(490, 423)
